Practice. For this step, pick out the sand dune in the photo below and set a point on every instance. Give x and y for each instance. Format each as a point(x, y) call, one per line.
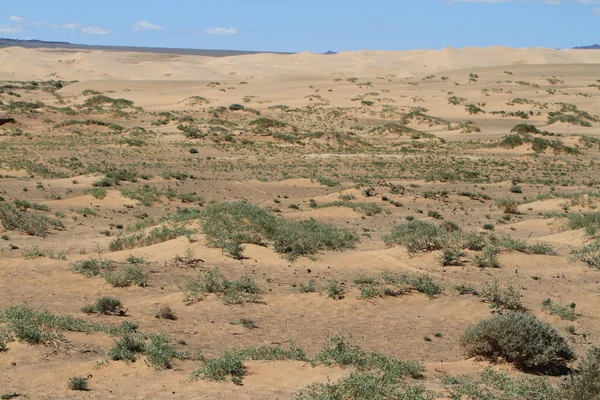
point(25, 64)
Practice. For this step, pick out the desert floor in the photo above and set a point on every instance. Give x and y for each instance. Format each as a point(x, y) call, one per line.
point(118, 160)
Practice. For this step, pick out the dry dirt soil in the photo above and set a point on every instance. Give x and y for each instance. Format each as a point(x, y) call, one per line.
point(120, 160)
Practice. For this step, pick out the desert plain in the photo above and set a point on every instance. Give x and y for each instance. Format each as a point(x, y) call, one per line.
point(298, 226)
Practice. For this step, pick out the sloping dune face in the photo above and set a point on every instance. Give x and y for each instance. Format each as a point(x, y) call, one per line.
point(298, 226)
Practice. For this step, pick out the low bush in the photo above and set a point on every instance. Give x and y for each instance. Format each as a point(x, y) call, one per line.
point(15, 219)
point(589, 254)
point(156, 235)
point(214, 282)
point(77, 383)
point(508, 204)
point(564, 311)
point(230, 225)
point(105, 305)
point(503, 298)
point(416, 236)
point(520, 339)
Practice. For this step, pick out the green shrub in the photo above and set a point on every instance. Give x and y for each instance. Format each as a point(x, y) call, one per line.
point(92, 267)
point(473, 109)
point(127, 276)
point(421, 283)
point(334, 290)
point(584, 384)
point(230, 225)
point(127, 348)
point(589, 254)
point(451, 256)
point(310, 287)
point(416, 236)
point(511, 141)
point(77, 383)
point(362, 386)
point(508, 205)
point(100, 100)
point(146, 195)
point(106, 305)
point(466, 289)
point(218, 369)
point(14, 219)
point(156, 235)
point(245, 322)
point(165, 312)
point(35, 327)
point(159, 352)
point(377, 377)
point(520, 339)
point(369, 209)
point(539, 145)
point(269, 353)
point(562, 310)
point(214, 282)
point(504, 298)
point(488, 258)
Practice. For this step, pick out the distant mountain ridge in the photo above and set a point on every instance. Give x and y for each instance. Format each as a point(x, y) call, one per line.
point(39, 44)
point(591, 47)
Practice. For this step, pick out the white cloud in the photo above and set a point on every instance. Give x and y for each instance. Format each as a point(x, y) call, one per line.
point(10, 29)
point(596, 11)
point(142, 25)
point(95, 30)
point(219, 31)
point(72, 26)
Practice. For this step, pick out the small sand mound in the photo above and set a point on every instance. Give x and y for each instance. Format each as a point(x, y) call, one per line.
point(542, 206)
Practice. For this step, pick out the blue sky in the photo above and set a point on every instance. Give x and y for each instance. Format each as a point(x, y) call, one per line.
point(306, 25)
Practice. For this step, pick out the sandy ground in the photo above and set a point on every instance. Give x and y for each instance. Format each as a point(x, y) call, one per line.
point(54, 164)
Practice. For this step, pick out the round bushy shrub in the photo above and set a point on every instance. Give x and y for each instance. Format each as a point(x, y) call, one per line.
point(520, 339)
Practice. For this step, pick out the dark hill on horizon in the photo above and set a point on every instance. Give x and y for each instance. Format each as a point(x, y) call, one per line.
point(41, 44)
point(591, 47)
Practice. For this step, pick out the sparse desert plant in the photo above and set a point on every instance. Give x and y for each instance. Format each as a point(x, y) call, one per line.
point(230, 225)
point(77, 383)
point(589, 254)
point(334, 290)
point(416, 236)
point(160, 353)
point(126, 276)
point(92, 267)
point(127, 348)
point(451, 256)
point(156, 235)
point(106, 305)
point(508, 205)
point(520, 339)
point(219, 369)
point(165, 312)
point(214, 282)
point(245, 322)
point(15, 219)
point(564, 311)
point(98, 193)
point(473, 109)
point(488, 258)
point(503, 298)
point(310, 287)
